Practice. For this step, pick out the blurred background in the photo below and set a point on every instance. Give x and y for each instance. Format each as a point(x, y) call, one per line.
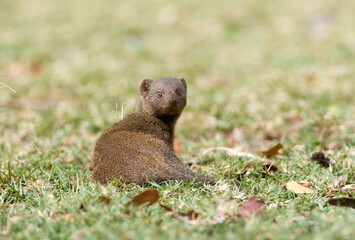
point(258, 72)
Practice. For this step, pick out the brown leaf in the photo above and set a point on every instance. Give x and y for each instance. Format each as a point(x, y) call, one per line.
point(297, 188)
point(177, 147)
point(343, 202)
point(149, 196)
point(103, 199)
point(272, 151)
point(252, 207)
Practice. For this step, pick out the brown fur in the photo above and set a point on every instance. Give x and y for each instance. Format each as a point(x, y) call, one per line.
point(140, 147)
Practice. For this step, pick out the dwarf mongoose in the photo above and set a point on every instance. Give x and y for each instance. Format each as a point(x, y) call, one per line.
point(139, 148)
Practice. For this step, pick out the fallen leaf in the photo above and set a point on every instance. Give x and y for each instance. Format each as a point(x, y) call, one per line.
point(272, 151)
point(297, 188)
point(320, 158)
point(149, 196)
point(177, 147)
point(343, 202)
point(252, 207)
point(103, 199)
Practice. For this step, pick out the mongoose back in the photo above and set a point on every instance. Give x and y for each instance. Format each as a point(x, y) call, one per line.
point(139, 148)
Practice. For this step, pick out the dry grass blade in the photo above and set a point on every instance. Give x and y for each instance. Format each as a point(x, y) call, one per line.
point(4, 85)
point(149, 196)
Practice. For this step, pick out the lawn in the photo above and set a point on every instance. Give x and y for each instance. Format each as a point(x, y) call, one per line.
point(258, 73)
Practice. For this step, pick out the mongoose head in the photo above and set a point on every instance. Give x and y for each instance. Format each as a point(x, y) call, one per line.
point(162, 96)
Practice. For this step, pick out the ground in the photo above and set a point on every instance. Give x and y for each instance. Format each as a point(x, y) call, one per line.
point(258, 73)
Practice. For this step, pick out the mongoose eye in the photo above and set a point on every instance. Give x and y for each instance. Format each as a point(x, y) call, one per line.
point(159, 94)
point(178, 92)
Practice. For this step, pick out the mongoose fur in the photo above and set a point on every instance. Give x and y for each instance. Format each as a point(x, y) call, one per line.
point(139, 148)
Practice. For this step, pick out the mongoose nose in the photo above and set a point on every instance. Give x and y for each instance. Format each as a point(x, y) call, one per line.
point(172, 102)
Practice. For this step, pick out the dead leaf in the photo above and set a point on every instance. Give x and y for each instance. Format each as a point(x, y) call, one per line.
point(343, 202)
point(297, 188)
point(149, 196)
point(103, 199)
point(252, 207)
point(272, 151)
point(177, 147)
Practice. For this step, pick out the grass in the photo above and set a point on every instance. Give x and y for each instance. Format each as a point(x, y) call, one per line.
point(257, 72)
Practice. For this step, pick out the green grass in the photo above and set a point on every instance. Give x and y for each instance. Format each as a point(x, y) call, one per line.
point(257, 72)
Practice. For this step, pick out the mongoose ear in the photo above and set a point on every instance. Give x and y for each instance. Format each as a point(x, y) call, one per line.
point(145, 85)
point(183, 81)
